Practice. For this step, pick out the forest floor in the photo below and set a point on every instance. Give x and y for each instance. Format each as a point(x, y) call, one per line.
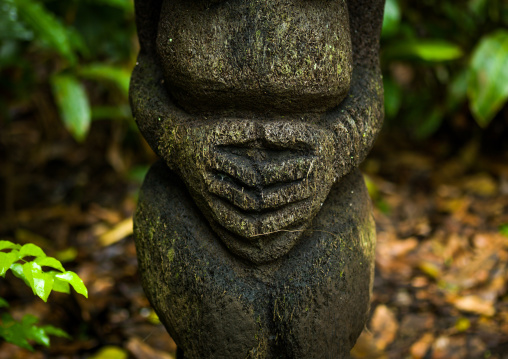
point(440, 287)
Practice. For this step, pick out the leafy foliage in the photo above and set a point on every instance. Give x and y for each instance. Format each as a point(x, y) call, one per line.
point(73, 103)
point(21, 332)
point(76, 48)
point(439, 56)
point(27, 262)
point(488, 81)
point(45, 26)
point(16, 258)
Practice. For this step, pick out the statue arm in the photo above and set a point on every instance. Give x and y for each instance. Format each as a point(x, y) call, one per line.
point(147, 21)
point(366, 20)
point(358, 119)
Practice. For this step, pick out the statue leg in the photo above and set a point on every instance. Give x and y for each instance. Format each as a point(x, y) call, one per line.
point(215, 305)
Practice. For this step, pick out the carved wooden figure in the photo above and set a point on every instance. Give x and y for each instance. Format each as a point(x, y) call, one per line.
point(254, 232)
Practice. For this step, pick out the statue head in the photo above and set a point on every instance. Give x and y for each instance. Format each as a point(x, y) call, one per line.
point(259, 107)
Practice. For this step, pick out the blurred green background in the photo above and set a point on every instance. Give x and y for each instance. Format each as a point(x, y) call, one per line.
point(444, 58)
point(445, 63)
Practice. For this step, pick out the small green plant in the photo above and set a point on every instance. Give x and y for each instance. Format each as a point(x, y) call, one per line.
point(43, 274)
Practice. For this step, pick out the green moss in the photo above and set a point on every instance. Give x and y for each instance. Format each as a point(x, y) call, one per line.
point(171, 254)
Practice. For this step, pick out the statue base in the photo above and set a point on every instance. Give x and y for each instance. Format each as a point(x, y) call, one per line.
point(311, 303)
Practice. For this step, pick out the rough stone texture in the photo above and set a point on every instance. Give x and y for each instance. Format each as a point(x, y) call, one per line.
point(286, 56)
point(255, 236)
point(309, 304)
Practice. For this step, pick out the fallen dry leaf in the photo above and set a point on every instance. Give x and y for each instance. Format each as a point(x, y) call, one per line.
point(365, 347)
point(141, 350)
point(481, 184)
point(117, 233)
point(420, 348)
point(384, 326)
point(473, 304)
point(391, 254)
point(483, 267)
point(460, 347)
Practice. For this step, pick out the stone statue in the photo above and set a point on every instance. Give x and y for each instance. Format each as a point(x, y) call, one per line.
point(254, 233)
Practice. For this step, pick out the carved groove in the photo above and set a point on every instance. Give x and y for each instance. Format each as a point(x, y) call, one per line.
point(250, 225)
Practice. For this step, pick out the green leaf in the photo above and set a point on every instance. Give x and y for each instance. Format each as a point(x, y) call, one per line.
point(127, 5)
point(57, 332)
point(10, 26)
point(17, 270)
point(429, 125)
point(7, 260)
point(457, 90)
point(7, 320)
point(31, 250)
point(8, 245)
point(73, 104)
point(44, 284)
point(50, 262)
point(40, 282)
point(46, 27)
point(28, 269)
point(59, 285)
point(76, 282)
point(14, 332)
point(33, 332)
point(391, 18)
point(29, 320)
point(120, 112)
point(113, 74)
point(488, 80)
point(393, 97)
point(78, 43)
point(426, 50)
point(3, 303)
point(138, 173)
point(20, 333)
point(478, 7)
